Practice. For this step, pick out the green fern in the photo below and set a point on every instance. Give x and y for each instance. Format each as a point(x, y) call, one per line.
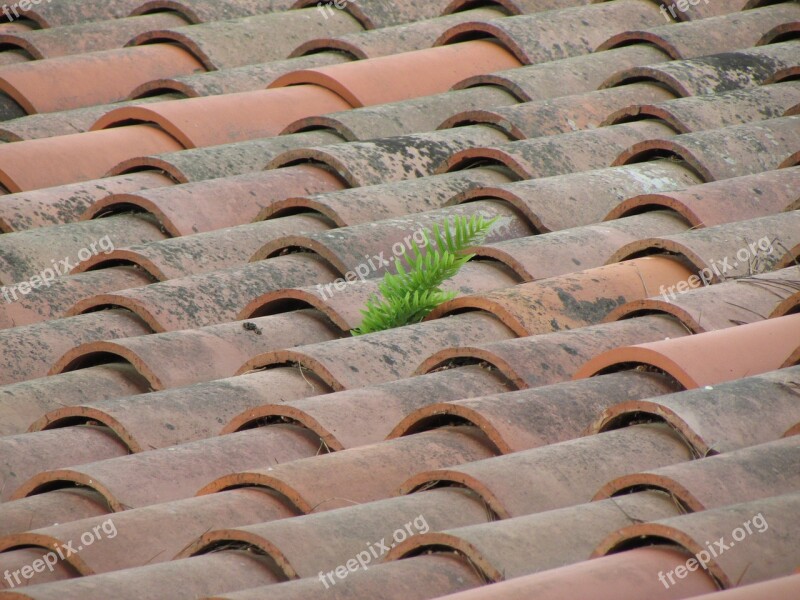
point(415, 290)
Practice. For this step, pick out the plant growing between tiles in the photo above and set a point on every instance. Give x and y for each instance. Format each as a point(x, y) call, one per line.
point(415, 290)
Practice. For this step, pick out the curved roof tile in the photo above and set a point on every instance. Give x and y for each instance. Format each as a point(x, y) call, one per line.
point(711, 420)
point(724, 201)
point(768, 553)
point(708, 358)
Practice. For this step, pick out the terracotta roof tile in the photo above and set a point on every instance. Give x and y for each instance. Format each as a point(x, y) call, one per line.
point(711, 419)
point(399, 76)
point(31, 251)
point(584, 198)
point(52, 302)
point(198, 387)
point(45, 125)
point(731, 303)
point(546, 255)
point(737, 567)
point(347, 247)
point(774, 588)
point(201, 11)
point(225, 160)
point(389, 200)
point(768, 143)
point(554, 357)
point(563, 114)
point(756, 472)
point(37, 164)
point(153, 420)
point(541, 37)
point(16, 558)
point(209, 251)
point(524, 545)
point(573, 300)
point(220, 350)
point(539, 416)
point(705, 11)
point(565, 153)
point(343, 250)
point(39, 345)
point(714, 74)
point(376, 520)
point(26, 455)
point(27, 401)
point(620, 577)
point(172, 522)
point(210, 298)
point(499, 546)
point(710, 35)
point(72, 504)
point(547, 540)
point(250, 40)
point(771, 237)
point(703, 359)
point(236, 79)
point(209, 574)
point(343, 307)
point(720, 110)
point(717, 202)
point(404, 157)
point(396, 461)
point(385, 41)
point(522, 7)
point(18, 26)
point(70, 82)
point(121, 480)
point(52, 206)
point(187, 120)
point(381, 405)
point(407, 116)
point(344, 364)
point(413, 579)
point(575, 75)
point(87, 37)
point(327, 94)
point(11, 109)
point(386, 13)
point(531, 481)
point(198, 207)
point(62, 13)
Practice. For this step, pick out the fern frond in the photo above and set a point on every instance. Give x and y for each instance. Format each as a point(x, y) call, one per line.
point(411, 308)
point(411, 293)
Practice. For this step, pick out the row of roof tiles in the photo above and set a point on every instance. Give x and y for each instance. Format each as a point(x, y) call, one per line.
point(575, 380)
